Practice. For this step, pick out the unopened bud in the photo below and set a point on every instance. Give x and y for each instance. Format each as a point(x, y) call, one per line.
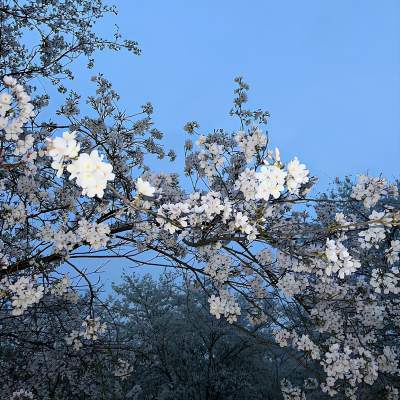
point(277, 155)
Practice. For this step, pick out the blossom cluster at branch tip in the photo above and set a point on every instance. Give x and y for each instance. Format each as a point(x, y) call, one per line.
point(93, 328)
point(224, 304)
point(15, 111)
point(25, 292)
point(90, 171)
point(15, 108)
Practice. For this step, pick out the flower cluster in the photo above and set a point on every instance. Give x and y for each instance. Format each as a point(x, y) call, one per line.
point(15, 109)
point(90, 171)
point(265, 256)
point(376, 230)
point(339, 259)
point(370, 189)
point(13, 215)
point(193, 211)
point(282, 336)
point(388, 361)
point(297, 175)
point(393, 252)
point(386, 280)
point(290, 284)
point(242, 223)
point(26, 292)
point(340, 365)
point(226, 305)
point(95, 234)
point(23, 146)
point(124, 370)
point(272, 179)
point(93, 328)
point(256, 287)
point(291, 393)
point(303, 343)
point(61, 285)
point(218, 267)
point(23, 394)
point(251, 143)
point(62, 148)
point(308, 346)
point(73, 339)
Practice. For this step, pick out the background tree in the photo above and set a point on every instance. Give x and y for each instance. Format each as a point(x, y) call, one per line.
point(161, 343)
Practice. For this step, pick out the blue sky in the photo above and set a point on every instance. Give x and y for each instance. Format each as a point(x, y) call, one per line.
point(327, 71)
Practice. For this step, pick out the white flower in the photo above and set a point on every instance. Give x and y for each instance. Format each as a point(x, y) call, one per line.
point(5, 98)
point(69, 135)
point(24, 145)
point(276, 190)
point(17, 88)
point(395, 245)
point(263, 192)
point(297, 175)
point(277, 175)
point(102, 166)
point(3, 122)
point(145, 188)
point(9, 81)
point(23, 97)
point(363, 178)
point(13, 128)
point(292, 185)
point(201, 140)
point(376, 216)
point(25, 112)
point(331, 250)
point(172, 228)
point(264, 174)
point(62, 147)
point(240, 219)
point(91, 172)
point(3, 109)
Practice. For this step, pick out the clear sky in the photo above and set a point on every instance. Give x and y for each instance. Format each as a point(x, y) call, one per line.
point(327, 71)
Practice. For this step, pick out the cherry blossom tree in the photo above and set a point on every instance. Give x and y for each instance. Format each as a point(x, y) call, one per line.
point(320, 271)
point(62, 31)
